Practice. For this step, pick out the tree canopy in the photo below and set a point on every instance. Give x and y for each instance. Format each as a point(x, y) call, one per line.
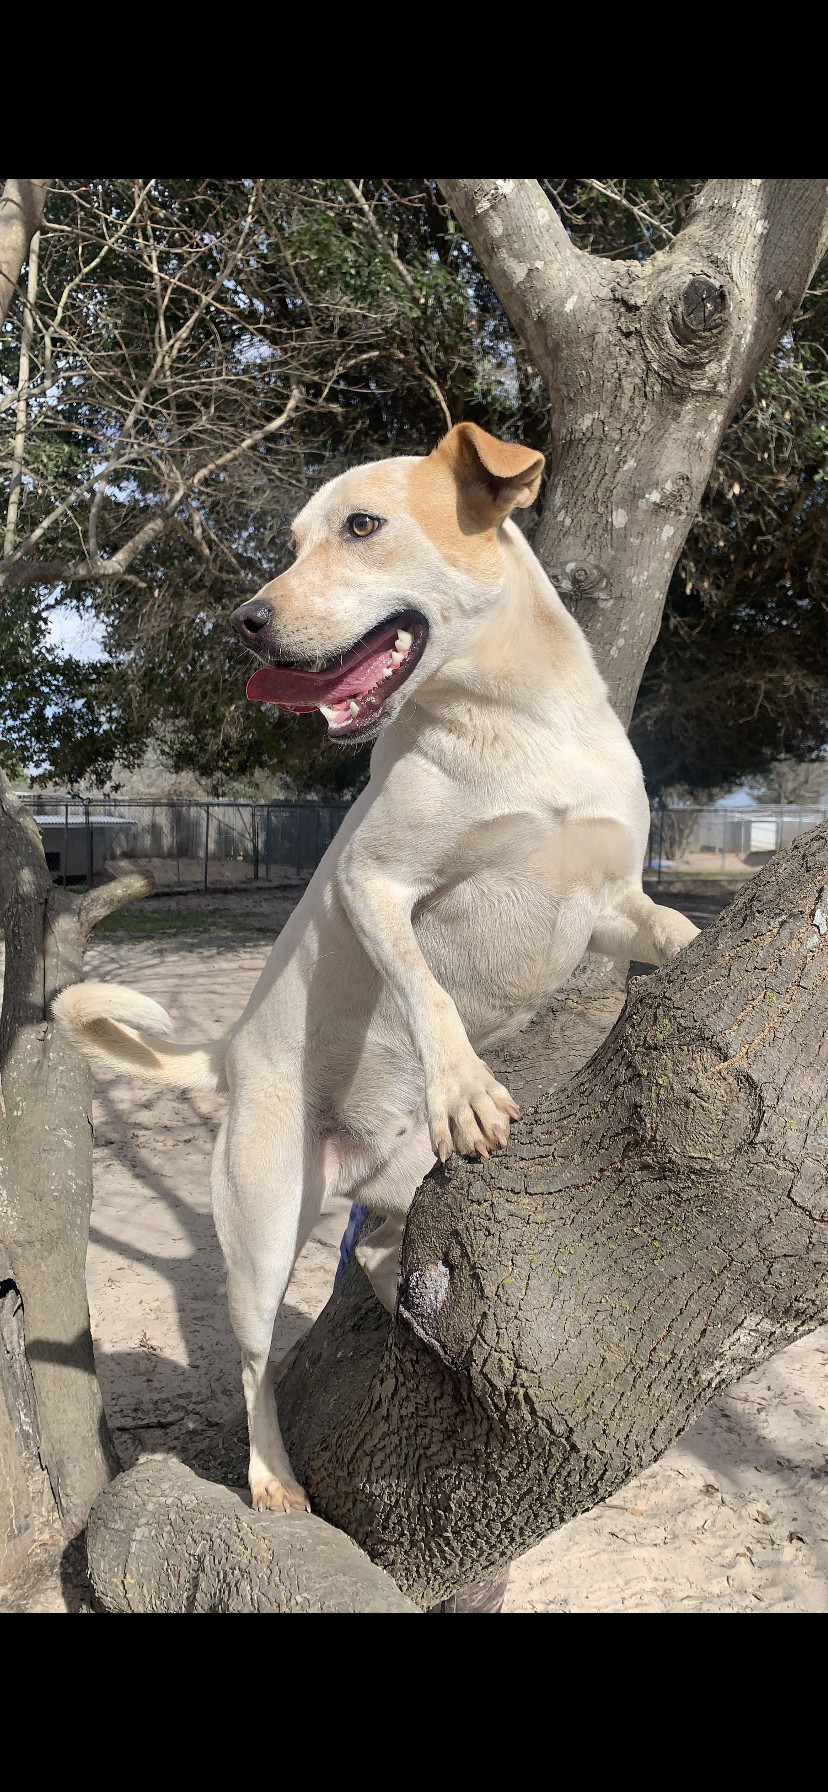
point(205, 354)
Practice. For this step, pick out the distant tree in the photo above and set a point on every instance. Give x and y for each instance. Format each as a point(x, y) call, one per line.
point(787, 782)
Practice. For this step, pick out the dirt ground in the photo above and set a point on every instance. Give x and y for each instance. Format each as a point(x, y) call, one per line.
point(733, 1518)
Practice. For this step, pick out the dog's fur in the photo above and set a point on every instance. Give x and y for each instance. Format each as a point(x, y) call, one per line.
point(502, 834)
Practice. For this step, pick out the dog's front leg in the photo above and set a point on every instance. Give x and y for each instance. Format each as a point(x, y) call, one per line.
point(467, 1109)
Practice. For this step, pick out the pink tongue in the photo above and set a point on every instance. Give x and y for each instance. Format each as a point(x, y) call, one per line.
point(306, 690)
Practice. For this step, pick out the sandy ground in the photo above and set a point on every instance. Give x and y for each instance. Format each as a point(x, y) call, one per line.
point(733, 1518)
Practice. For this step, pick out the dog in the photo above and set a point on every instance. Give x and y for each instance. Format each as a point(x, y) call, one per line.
point(501, 835)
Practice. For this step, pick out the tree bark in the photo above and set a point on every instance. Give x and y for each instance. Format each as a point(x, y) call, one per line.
point(657, 1227)
point(21, 215)
point(19, 445)
point(54, 1414)
point(645, 364)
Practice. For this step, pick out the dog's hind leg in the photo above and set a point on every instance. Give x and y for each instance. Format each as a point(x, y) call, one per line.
point(391, 1191)
point(265, 1201)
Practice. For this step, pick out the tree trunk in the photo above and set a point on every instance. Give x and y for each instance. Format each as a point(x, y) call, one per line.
point(645, 364)
point(657, 1227)
point(53, 1422)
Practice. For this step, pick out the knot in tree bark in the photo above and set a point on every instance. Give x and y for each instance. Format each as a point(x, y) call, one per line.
point(687, 1109)
point(582, 578)
point(687, 327)
point(699, 313)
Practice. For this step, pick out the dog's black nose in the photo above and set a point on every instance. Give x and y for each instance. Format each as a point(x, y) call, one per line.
point(250, 619)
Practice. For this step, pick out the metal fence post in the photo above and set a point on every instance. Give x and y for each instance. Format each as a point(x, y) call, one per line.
point(267, 841)
point(206, 839)
point(175, 842)
point(89, 866)
point(65, 839)
point(254, 836)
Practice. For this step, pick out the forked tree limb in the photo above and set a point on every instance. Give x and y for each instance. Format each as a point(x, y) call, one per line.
point(645, 364)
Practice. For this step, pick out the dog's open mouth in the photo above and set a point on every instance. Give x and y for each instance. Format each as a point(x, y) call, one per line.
point(353, 689)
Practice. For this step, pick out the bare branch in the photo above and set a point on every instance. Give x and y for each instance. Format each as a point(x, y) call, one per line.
point(250, 441)
point(383, 243)
point(22, 383)
point(431, 382)
point(642, 216)
point(168, 352)
point(90, 267)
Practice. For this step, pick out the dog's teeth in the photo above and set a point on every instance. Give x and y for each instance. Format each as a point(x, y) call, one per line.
point(389, 672)
point(397, 658)
point(327, 712)
point(403, 641)
point(353, 707)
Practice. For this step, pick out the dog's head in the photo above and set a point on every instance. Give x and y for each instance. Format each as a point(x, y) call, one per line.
point(397, 562)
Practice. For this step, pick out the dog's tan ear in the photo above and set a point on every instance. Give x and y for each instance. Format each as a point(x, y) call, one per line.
point(494, 477)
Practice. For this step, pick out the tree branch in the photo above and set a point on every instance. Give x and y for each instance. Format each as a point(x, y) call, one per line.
point(383, 243)
point(645, 364)
point(19, 446)
point(258, 435)
point(21, 215)
point(106, 899)
point(520, 242)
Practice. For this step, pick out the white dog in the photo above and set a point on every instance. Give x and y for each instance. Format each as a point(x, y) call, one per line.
point(502, 834)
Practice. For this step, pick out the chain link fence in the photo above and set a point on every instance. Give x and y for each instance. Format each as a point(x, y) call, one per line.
point(187, 844)
point(703, 842)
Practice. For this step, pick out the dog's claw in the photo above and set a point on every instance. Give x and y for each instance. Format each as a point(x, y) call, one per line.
point(274, 1496)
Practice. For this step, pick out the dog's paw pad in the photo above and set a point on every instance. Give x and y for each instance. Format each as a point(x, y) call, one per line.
point(278, 1496)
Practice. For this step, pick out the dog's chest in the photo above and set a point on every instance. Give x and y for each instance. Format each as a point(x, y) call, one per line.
point(499, 941)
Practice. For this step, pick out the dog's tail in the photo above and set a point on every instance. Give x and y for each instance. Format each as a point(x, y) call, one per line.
point(118, 1029)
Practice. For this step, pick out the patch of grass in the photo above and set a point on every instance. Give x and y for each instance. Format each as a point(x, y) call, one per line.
point(152, 923)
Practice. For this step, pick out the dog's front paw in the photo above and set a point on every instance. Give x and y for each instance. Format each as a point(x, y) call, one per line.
point(271, 1495)
point(468, 1110)
point(671, 932)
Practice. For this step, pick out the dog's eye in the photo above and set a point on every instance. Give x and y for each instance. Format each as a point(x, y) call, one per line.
point(362, 525)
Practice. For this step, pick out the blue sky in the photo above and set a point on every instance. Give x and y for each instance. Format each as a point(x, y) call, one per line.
point(80, 635)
